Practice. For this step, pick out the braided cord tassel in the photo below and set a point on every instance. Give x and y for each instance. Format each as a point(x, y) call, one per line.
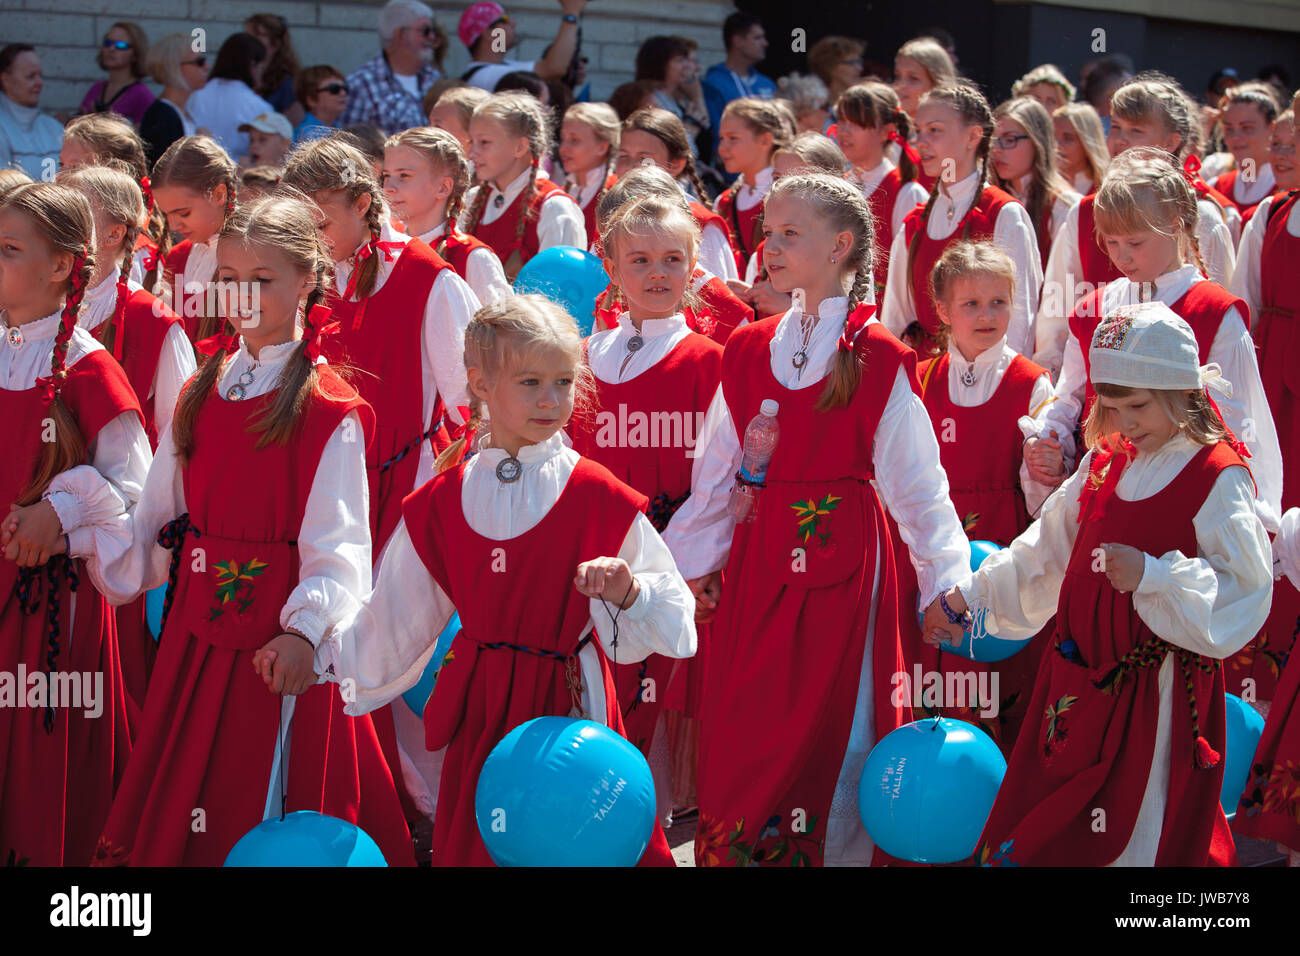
point(60, 568)
point(1203, 755)
point(172, 537)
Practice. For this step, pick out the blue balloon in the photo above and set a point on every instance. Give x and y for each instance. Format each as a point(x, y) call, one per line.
point(978, 644)
point(1245, 727)
point(305, 838)
point(418, 696)
point(563, 792)
point(979, 550)
point(153, 609)
point(927, 789)
point(568, 277)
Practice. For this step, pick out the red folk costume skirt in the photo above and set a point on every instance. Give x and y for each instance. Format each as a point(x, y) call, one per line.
point(652, 459)
point(59, 765)
point(514, 659)
point(1270, 806)
point(1097, 700)
point(203, 764)
point(789, 642)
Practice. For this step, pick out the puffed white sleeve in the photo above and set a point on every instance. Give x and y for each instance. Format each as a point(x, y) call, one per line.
point(1215, 241)
point(175, 366)
point(1014, 235)
point(560, 223)
point(1286, 548)
point(111, 484)
point(897, 311)
point(1213, 603)
point(910, 195)
point(383, 646)
point(751, 268)
point(1016, 590)
point(1040, 400)
point(1246, 276)
point(1060, 277)
point(334, 539)
point(451, 304)
point(662, 618)
point(699, 535)
point(1246, 412)
point(715, 253)
point(914, 487)
point(485, 276)
point(1071, 386)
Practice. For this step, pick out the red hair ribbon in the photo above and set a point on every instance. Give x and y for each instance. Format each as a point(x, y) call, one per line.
point(608, 315)
point(147, 188)
point(362, 254)
point(832, 130)
point(223, 343)
point(908, 150)
point(318, 324)
point(854, 323)
point(119, 316)
point(461, 430)
point(1233, 441)
point(150, 260)
point(47, 388)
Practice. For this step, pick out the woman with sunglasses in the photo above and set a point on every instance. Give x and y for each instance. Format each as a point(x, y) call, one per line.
point(180, 71)
point(324, 92)
point(122, 56)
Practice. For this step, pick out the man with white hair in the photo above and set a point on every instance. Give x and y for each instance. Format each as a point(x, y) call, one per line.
point(387, 90)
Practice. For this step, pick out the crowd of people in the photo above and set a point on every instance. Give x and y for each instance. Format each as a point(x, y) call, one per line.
point(264, 352)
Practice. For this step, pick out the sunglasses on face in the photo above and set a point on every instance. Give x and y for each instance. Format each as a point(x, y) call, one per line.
point(1282, 148)
point(1009, 141)
point(199, 61)
point(336, 88)
point(116, 45)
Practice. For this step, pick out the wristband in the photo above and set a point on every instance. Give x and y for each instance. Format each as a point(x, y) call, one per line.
point(289, 630)
point(569, 18)
point(964, 620)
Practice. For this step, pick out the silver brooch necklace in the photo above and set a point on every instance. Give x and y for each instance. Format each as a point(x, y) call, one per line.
point(635, 343)
point(509, 469)
point(499, 201)
point(968, 376)
point(800, 358)
point(15, 337)
point(237, 391)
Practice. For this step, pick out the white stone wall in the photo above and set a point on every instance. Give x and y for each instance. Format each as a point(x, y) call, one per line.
point(67, 33)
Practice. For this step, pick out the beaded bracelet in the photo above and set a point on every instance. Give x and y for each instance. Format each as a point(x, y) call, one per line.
point(963, 620)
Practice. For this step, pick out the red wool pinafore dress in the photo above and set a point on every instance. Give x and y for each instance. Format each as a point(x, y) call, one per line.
point(670, 400)
point(191, 305)
point(980, 449)
point(500, 233)
point(1090, 741)
point(744, 226)
point(882, 201)
point(516, 654)
point(790, 636)
point(1093, 260)
point(137, 345)
point(210, 722)
point(59, 766)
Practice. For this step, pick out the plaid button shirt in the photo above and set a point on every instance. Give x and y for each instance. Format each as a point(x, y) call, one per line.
point(375, 96)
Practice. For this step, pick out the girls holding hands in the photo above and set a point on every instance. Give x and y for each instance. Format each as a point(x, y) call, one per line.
point(954, 137)
point(535, 546)
point(515, 209)
point(807, 635)
point(1157, 567)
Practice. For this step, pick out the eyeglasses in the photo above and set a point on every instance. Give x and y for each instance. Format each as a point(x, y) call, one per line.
point(336, 88)
point(199, 61)
point(1008, 141)
point(117, 45)
point(1282, 149)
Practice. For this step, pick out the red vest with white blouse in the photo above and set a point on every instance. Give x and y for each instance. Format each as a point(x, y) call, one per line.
point(589, 210)
point(744, 226)
point(1226, 186)
point(882, 201)
point(1093, 260)
point(455, 248)
point(142, 331)
point(501, 233)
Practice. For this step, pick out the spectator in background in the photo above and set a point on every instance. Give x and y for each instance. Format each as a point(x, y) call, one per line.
point(451, 111)
point(489, 34)
point(837, 61)
point(945, 39)
point(282, 66)
point(122, 55)
point(809, 99)
point(919, 66)
point(1222, 81)
point(369, 139)
point(521, 81)
point(180, 71)
point(734, 78)
point(324, 93)
point(627, 98)
point(28, 137)
point(1048, 85)
point(257, 181)
point(1100, 79)
point(269, 138)
point(227, 99)
point(388, 90)
point(669, 63)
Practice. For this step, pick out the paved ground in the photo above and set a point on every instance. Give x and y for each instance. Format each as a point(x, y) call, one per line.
point(681, 837)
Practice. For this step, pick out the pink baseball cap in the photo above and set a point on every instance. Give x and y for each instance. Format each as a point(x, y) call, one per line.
point(476, 19)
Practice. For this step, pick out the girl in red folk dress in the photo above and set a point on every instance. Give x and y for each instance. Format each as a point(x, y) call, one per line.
point(954, 136)
point(869, 118)
point(750, 131)
point(1157, 568)
point(982, 397)
point(715, 311)
point(652, 369)
point(515, 209)
point(534, 545)
point(426, 174)
point(657, 137)
point(588, 148)
point(401, 312)
point(806, 639)
point(64, 403)
point(919, 66)
point(1150, 110)
point(259, 492)
point(195, 183)
point(1247, 114)
point(148, 341)
point(96, 139)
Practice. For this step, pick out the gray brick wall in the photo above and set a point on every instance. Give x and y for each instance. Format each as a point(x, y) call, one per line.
point(67, 33)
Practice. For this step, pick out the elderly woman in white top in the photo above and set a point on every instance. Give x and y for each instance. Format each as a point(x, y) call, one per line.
point(173, 63)
point(29, 139)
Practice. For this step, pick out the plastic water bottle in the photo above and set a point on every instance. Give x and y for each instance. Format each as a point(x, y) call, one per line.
point(761, 435)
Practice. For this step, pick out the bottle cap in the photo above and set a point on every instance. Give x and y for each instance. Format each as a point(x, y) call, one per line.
point(769, 407)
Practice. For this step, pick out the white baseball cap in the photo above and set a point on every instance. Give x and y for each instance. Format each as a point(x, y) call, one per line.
point(275, 123)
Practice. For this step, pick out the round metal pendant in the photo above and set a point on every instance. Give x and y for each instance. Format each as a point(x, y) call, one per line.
point(509, 470)
point(800, 359)
point(634, 343)
point(235, 393)
point(499, 201)
point(15, 337)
